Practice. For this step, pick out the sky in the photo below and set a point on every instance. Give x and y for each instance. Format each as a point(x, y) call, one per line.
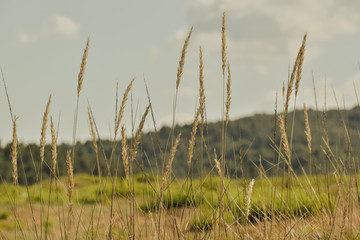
point(42, 43)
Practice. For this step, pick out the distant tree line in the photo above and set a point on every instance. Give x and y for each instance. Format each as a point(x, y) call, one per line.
point(248, 139)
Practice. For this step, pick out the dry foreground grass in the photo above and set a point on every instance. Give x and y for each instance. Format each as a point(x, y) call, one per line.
point(276, 205)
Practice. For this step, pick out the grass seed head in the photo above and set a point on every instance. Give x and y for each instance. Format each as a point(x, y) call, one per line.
point(82, 67)
point(14, 153)
point(182, 60)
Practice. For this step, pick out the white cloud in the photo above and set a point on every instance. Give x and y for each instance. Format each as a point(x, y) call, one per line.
point(64, 26)
point(55, 25)
point(182, 118)
point(270, 29)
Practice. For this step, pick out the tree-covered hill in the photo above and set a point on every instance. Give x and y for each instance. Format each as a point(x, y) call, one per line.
point(247, 138)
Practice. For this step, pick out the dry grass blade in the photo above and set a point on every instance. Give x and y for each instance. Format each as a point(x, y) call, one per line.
point(43, 131)
point(223, 43)
point(138, 134)
point(182, 59)
point(82, 68)
point(123, 103)
point(70, 188)
point(14, 153)
point(248, 198)
point(307, 128)
point(192, 139)
point(296, 70)
point(53, 146)
point(124, 150)
point(168, 165)
point(201, 89)
point(217, 165)
point(95, 145)
point(299, 68)
point(228, 95)
point(284, 138)
point(70, 176)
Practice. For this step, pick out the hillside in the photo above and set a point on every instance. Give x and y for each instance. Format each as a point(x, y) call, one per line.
point(249, 137)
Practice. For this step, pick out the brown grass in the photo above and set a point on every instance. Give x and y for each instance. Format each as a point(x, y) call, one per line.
point(182, 59)
point(223, 43)
point(82, 67)
point(14, 153)
point(124, 150)
point(192, 139)
point(228, 95)
point(53, 146)
point(167, 171)
point(43, 130)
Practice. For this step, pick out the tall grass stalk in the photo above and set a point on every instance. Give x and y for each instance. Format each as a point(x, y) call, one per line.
point(42, 153)
point(79, 88)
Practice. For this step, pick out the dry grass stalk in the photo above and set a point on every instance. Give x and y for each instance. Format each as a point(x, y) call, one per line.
point(223, 43)
point(221, 193)
point(296, 70)
point(94, 141)
point(299, 68)
point(138, 134)
point(70, 190)
point(201, 89)
point(217, 165)
point(124, 150)
point(228, 95)
point(167, 171)
point(82, 68)
point(43, 131)
point(70, 176)
point(192, 139)
point(182, 59)
point(248, 199)
point(14, 153)
point(53, 146)
point(284, 138)
point(307, 128)
point(123, 103)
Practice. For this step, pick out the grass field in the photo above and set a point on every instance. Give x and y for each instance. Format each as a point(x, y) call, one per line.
point(309, 212)
point(277, 204)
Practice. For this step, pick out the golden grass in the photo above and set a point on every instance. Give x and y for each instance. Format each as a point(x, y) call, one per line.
point(192, 139)
point(122, 107)
point(223, 43)
point(82, 67)
point(167, 171)
point(43, 130)
point(284, 138)
point(14, 153)
point(228, 95)
point(182, 59)
point(53, 146)
point(124, 152)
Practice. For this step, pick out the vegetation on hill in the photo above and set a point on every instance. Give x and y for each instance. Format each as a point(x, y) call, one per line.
point(251, 136)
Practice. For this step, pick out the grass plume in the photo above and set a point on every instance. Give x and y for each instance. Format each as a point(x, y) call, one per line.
point(82, 67)
point(223, 43)
point(14, 153)
point(182, 59)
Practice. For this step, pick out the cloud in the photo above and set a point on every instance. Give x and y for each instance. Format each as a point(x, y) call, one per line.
point(64, 26)
point(259, 31)
point(56, 25)
point(182, 118)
